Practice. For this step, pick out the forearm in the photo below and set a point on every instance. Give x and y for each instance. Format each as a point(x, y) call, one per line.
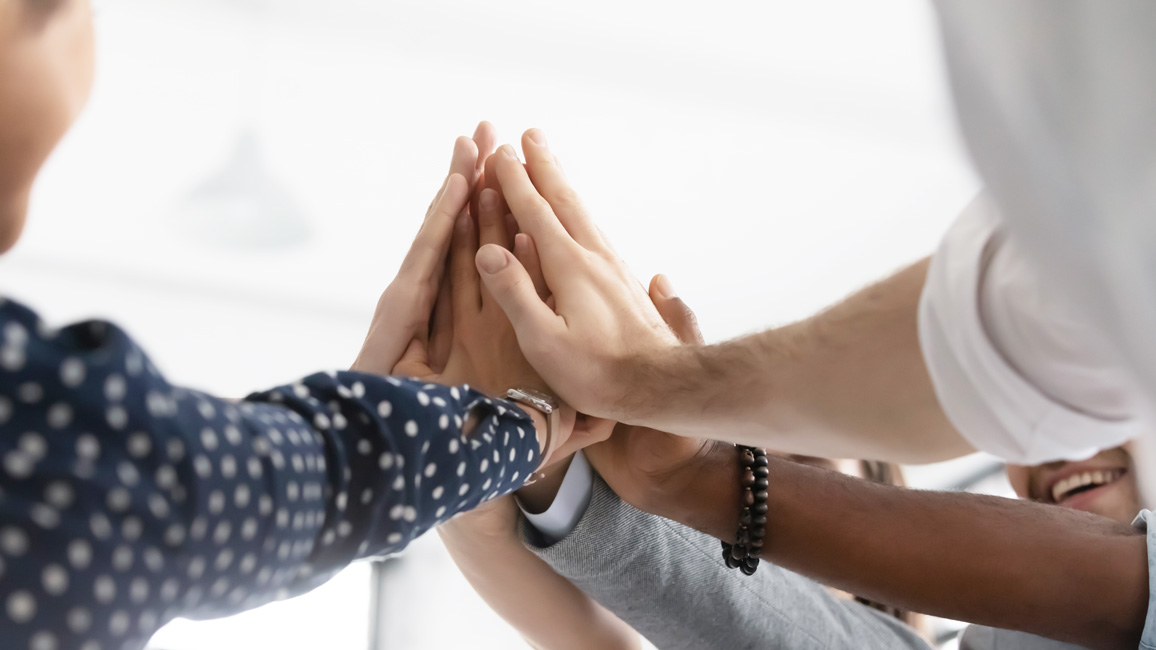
point(999, 562)
point(848, 382)
point(546, 608)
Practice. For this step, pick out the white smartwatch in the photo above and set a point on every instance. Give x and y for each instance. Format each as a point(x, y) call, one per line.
point(548, 405)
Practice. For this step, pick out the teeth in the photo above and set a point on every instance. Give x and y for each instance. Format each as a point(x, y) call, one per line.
point(1075, 481)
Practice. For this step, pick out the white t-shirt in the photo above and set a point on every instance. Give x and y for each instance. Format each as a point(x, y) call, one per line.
point(1056, 104)
point(1019, 373)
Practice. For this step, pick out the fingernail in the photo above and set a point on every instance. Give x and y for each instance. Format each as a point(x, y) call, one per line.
point(665, 287)
point(508, 152)
point(492, 259)
point(537, 136)
point(488, 200)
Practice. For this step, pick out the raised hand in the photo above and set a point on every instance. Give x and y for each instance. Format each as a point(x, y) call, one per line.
point(595, 344)
point(402, 320)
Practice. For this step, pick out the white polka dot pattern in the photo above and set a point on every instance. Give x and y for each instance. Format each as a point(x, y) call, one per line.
point(125, 501)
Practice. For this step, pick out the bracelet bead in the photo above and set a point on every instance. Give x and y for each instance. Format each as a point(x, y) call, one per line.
point(744, 553)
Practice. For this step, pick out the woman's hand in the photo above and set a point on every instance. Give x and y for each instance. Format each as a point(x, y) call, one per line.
point(402, 322)
point(484, 351)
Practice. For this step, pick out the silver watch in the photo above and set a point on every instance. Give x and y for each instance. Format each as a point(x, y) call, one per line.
point(548, 405)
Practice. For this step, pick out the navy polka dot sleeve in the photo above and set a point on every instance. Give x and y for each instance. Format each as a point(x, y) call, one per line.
point(125, 501)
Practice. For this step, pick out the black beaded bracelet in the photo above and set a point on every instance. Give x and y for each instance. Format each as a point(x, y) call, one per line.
point(744, 553)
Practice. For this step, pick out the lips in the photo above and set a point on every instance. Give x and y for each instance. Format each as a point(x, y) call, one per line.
point(1080, 482)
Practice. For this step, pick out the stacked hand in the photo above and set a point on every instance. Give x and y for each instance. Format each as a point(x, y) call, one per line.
point(443, 321)
point(437, 321)
point(644, 466)
point(602, 331)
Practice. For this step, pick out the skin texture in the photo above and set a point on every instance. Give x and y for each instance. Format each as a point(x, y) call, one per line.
point(848, 382)
point(46, 70)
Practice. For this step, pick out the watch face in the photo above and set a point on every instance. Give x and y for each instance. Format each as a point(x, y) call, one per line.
point(549, 399)
point(540, 401)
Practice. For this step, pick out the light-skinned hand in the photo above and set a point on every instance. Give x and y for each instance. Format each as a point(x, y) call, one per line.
point(402, 320)
point(594, 346)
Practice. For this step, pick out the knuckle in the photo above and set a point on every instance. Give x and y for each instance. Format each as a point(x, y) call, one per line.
point(541, 207)
point(567, 198)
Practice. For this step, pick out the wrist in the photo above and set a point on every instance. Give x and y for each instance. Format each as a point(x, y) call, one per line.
point(537, 497)
point(484, 528)
point(541, 426)
point(649, 381)
point(705, 495)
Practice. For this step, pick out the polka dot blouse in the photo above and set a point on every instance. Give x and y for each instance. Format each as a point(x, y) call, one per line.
point(126, 501)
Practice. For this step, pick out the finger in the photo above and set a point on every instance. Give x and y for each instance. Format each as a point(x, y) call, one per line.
point(486, 138)
point(415, 361)
point(441, 328)
point(674, 311)
point(465, 159)
point(463, 273)
point(527, 254)
point(551, 183)
point(491, 221)
point(532, 211)
point(511, 226)
point(507, 281)
point(426, 257)
point(489, 179)
point(587, 431)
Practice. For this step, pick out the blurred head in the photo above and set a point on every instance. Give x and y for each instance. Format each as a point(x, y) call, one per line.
point(46, 52)
point(874, 471)
point(1104, 484)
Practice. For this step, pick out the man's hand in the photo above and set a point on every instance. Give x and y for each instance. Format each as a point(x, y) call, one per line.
point(402, 320)
point(643, 466)
point(595, 344)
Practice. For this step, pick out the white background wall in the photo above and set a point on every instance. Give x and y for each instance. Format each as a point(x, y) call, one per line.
point(769, 156)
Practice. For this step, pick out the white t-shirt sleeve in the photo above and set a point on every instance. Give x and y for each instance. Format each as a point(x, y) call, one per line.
point(1017, 372)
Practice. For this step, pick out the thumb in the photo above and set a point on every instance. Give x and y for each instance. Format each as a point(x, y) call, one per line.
point(509, 283)
point(674, 311)
point(415, 361)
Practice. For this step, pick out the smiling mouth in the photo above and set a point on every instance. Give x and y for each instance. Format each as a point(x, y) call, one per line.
point(1084, 482)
